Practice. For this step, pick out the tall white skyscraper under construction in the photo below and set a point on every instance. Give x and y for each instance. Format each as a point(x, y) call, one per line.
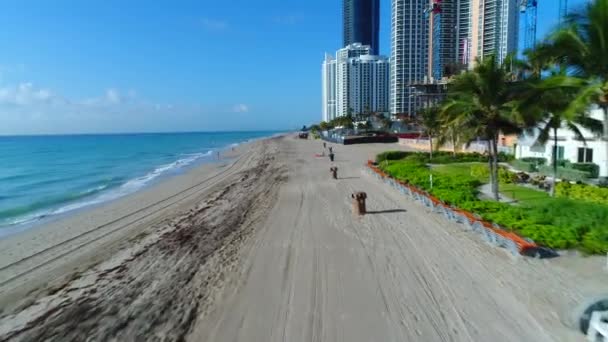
point(434, 39)
point(494, 27)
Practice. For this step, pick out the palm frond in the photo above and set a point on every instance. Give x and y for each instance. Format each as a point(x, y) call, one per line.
point(544, 134)
point(578, 135)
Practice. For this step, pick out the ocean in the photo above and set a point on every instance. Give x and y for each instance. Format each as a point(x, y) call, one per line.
point(46, 176)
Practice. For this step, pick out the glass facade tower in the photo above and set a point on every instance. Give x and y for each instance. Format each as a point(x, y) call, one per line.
point(362, 23)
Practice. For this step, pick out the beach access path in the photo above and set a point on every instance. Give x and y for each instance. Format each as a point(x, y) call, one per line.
point(266, 248)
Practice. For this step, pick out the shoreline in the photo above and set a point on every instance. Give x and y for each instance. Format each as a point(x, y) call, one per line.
point(36, 219)
point(87, 231)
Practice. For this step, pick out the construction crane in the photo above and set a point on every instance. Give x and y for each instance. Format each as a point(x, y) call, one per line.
point(528, 11)
point(563, 10)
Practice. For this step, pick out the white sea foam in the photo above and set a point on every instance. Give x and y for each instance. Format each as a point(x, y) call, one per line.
point(126, 188)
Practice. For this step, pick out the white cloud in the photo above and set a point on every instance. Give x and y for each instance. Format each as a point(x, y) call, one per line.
point(214, 24)
point(28, 109)
point(240, 108)
point(26, 94)
point(111, 97)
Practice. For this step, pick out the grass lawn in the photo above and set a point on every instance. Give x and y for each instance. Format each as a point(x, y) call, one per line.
point(524, 195)
point(460, 169)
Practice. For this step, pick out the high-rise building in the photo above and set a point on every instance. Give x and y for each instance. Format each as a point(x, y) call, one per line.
point(355, 82)
point(494, 29)
point(409, 54)
point(363, 85)
point(329, 88)
point(361, 20)
point(462, 30)
point(443, 36)
point(353, 50)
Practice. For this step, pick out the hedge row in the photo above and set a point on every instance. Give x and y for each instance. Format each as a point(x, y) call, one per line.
point(528, 164)
point(565, 170)
point(565, 173)
point(524, 166)
point(592, 169)
point(557, 223)
point(440, 157)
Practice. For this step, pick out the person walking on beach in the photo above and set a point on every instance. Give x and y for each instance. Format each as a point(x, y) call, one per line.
point(331, 149)
point(324, 145)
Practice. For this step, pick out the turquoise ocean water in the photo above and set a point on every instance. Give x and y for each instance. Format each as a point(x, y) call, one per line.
point(46, 176)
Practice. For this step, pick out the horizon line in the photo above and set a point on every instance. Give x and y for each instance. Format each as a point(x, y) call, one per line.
point(142, 133)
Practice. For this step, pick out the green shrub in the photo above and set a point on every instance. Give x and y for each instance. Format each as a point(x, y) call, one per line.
point(564, 173)
point(563, 163)
point(557, 222)
point(391, 155)
point(505, 157)
point(549, 236)
point(596, 241)
point(582, 192)
point(592, 169)
point(480, 171)
point(440, 157)
point(523, 165)
point(506, 176)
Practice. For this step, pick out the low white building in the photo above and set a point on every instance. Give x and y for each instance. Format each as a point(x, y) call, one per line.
point(355, 82)
point(593, 150)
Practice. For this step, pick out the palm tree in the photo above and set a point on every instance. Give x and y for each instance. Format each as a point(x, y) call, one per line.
point(582, 45)
point(385, 123)
point(549, 106)
point(324, 126)
point(480, 102)
point(450, 132)
point(429, 120)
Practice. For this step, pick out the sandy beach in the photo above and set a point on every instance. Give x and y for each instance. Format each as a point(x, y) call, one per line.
point(263, 246)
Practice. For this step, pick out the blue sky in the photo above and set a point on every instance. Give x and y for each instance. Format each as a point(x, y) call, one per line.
point(133, 66)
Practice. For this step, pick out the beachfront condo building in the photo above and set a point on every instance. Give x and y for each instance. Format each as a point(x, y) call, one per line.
point(462, 30)
point(443, 37)
point(409, 54)
point(494, 28)
point(355, 82)
point(362, 85)
point(361, 23)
